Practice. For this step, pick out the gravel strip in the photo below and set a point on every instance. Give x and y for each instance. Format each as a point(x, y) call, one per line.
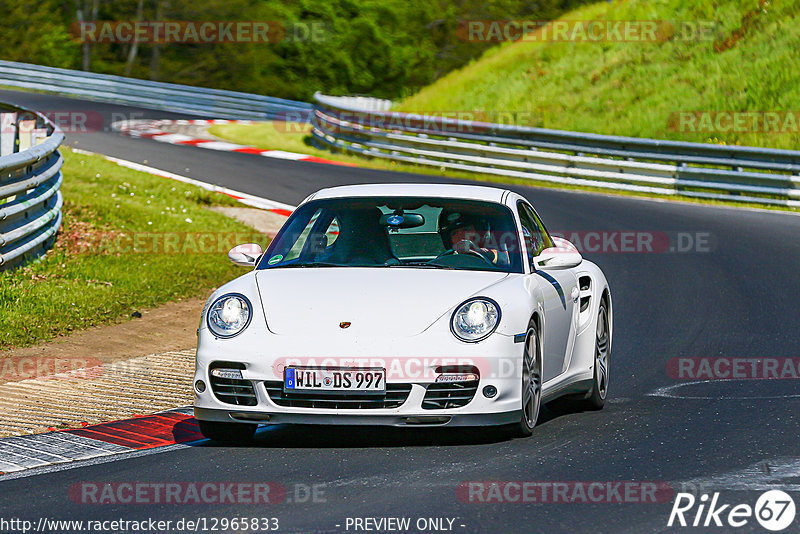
point(106, 392)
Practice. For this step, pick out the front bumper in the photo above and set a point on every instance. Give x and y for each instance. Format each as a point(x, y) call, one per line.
point(423, 420)
point(498, 358)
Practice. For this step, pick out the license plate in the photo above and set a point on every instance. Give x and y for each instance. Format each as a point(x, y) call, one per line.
point(310, 379)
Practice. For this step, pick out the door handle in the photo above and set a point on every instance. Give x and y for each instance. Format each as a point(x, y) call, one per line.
point(575, 294)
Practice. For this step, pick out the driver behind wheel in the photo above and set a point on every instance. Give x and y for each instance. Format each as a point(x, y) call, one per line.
point(465, 233)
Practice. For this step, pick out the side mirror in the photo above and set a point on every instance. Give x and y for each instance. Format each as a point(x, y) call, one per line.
point(245, 255)
point(563, 255)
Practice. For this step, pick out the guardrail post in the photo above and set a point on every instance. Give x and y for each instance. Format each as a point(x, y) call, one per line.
point(25, 128)
point(38, 136)
point(8, 133)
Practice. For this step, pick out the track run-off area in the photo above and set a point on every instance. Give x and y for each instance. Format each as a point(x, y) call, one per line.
point(692, 285)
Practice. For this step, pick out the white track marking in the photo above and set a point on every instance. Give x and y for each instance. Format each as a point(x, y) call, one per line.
point(172, 138)
point(51, 450)
point(124, 455)
point(775, 473)
point(70, 446)
point(671, 392)
point(218, 145)
point(280, 154)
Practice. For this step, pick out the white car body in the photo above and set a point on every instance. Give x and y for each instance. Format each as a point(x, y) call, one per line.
point(401, 319)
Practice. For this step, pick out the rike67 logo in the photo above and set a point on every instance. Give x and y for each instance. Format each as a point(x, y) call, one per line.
point(774, 510)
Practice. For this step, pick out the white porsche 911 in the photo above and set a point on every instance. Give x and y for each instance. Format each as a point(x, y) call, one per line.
point(405, 305)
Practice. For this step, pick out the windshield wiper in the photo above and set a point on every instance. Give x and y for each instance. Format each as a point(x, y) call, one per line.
point(421, 264)
point(314, 264)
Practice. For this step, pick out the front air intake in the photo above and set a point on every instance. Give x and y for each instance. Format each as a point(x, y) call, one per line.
point(228, 386)
point(449, 395)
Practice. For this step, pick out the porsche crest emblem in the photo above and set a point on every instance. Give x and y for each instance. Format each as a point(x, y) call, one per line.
point(344, 324)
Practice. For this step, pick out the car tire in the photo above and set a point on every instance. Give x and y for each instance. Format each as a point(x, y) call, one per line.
point(531, 383)
point(227, 432)
point(602, 350)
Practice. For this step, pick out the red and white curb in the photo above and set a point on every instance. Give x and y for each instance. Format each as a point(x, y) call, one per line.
point(152, 129)
point(245, 198)
point(20, 453)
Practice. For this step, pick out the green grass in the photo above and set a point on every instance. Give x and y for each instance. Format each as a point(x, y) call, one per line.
point(23, 89)
point(633, 88)
point(92, 276)
point(289, 136)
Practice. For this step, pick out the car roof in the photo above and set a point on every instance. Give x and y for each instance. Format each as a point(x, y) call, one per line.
point(467, 192)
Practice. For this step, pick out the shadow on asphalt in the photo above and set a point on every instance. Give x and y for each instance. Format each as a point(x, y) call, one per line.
point(344, 437)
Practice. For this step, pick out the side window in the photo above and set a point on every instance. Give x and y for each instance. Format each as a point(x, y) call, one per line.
point(546, 239)
point(300, 242)
point(332, 233)
point(528, 231)
point(536, 237)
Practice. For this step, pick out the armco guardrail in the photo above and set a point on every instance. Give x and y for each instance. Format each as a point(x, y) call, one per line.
point(215, 103)
point(734, 173)
point(30, 178)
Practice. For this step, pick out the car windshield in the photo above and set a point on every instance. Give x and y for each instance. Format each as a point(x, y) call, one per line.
point(396, 232)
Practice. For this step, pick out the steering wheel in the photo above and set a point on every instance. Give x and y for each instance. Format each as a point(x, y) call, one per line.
point(471, 248)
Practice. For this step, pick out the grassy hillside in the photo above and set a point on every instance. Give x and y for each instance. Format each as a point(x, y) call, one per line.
point(749, 63)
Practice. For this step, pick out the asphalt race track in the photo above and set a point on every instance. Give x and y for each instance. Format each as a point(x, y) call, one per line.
point(735, 437)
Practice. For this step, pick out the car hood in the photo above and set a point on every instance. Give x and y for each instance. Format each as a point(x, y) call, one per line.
point(392, 302)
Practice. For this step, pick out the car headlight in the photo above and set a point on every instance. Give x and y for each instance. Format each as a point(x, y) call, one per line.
point(475, 319)
point(229, 315)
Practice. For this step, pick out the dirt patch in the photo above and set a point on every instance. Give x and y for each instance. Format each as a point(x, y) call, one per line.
point(102, 392)
point(265, 222)
point(78, 237)
point(748, 22)
point(172, 326)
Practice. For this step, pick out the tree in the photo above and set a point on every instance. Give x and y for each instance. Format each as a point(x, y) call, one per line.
point(86, 12)
point(135, 46)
